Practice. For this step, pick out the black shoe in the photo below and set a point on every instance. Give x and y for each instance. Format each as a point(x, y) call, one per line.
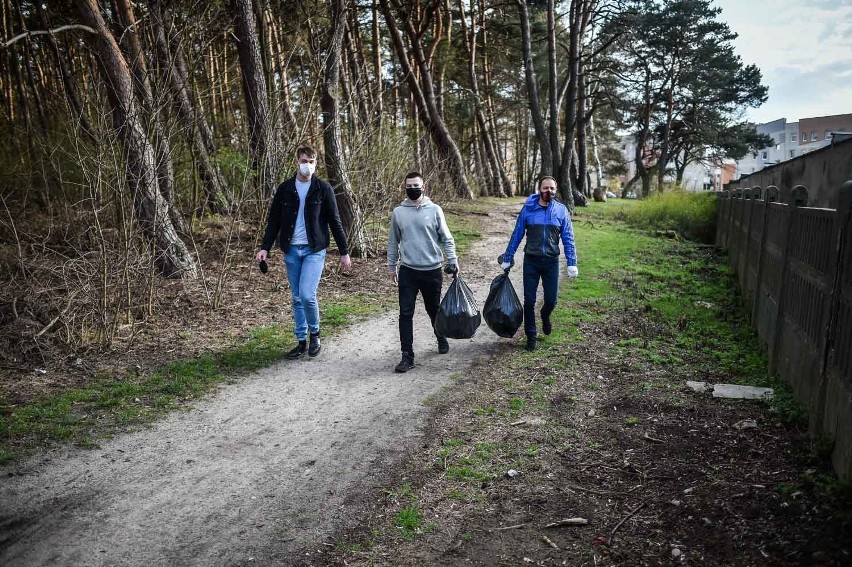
point(406, 364)
point(546, 326)
point(315, 346)
point(443, 345)
point(298, 350)
point(530, 344)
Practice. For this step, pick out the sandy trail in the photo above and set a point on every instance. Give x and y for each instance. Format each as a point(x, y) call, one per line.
point(261, 468)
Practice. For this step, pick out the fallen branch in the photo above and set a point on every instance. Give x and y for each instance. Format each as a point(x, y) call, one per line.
point(548, 541)
point(624, 519)
point(568, 522)
point(519, 422)
point(647, 437)
point(508, 527)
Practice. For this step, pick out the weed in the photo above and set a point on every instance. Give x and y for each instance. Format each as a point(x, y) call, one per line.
point(410, 521)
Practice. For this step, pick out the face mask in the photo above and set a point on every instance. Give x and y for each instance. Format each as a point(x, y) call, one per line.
point(546, 196)
point(307, 169)
point(413, 194)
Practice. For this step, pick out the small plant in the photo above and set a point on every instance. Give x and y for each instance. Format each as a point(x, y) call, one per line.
point(410, 521)
point(632, 420)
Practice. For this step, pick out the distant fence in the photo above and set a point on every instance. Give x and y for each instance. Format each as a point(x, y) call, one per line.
point(794, 267)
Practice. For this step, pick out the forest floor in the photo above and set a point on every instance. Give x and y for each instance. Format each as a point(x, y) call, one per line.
point(339, 461)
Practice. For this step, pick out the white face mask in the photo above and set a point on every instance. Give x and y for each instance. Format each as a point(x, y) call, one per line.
point(307, 169)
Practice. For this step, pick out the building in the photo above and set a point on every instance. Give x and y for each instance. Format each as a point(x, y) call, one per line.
point(792, 139)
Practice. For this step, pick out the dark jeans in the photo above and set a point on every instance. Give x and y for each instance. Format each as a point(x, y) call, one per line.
point(428, 283)
point(547, 270)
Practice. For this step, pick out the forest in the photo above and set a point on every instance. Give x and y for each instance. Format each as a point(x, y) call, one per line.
point(132, 129)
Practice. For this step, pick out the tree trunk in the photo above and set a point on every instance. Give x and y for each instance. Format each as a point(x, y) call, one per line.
point(377, 68)
point(532, 92)
point(69, 83)
point(162, 146)
point(498, 182)
point(152, 210)
point(350, 213)
point(197, 131)
point(424, 97)
point(257, 101)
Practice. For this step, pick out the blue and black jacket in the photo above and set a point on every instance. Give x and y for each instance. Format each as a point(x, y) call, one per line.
point(544, 226)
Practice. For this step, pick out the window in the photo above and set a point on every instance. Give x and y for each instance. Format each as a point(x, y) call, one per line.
point(828, 134)
point(777, 147)
point(792, 153)
point(804, 136)
point(763, 155)
point(794, 137)
point(813, 136)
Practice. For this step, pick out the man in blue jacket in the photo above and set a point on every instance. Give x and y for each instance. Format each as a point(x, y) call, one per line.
point(545, 221)
point(302, 210)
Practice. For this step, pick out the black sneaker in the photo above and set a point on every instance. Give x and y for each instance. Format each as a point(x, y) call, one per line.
point(530, 344)
point(406, 364)
point(546, 326)
point(315, 347)
point(298, 350)
point(443, 345)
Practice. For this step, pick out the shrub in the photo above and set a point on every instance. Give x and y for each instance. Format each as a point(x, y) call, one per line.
point(690, 214)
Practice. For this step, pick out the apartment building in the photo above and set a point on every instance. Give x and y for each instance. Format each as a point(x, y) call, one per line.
point(792, 139)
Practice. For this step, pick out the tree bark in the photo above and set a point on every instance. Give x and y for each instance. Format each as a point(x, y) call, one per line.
point(195, 126)
point(497, 179)
point(69, 83)
point(424, 97)
point(151, 209)
point(532, 92)
point(335, 162)
point(257, 101)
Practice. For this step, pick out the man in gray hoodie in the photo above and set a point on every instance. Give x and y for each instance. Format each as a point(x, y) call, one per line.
point(418, 242)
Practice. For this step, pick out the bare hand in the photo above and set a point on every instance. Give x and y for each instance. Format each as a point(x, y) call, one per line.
point(395, 278)
point(261, 256)
point(345, 263)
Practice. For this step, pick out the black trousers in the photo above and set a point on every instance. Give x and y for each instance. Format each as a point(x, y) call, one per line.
point(411, 282)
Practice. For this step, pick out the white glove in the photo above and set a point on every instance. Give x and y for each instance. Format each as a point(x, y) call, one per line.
point(573, 272)
point(506, 265)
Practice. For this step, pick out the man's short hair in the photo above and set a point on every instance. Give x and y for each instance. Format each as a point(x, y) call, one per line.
point(543, 177)
point(412, 175)
point(307, 151)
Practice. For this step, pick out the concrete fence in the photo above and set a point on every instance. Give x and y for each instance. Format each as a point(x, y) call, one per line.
point(794, 267)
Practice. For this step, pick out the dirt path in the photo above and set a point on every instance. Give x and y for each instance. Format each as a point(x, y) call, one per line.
point(265, 466)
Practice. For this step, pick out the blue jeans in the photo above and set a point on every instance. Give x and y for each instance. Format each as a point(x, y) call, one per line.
point(304, 269)
point(547, 270)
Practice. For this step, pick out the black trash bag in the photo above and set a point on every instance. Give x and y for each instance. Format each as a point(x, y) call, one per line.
point(458, 316)
point(503, 311)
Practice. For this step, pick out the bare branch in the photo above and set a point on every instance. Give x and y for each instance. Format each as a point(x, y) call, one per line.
point(54, 31)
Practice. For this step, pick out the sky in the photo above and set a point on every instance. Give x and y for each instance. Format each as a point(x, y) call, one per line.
point(804, 50)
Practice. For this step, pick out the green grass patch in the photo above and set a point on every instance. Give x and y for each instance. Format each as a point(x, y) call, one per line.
point(691, 214)
point(410, 521)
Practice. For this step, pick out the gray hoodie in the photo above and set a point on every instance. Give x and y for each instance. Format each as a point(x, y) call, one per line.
point(418, 233)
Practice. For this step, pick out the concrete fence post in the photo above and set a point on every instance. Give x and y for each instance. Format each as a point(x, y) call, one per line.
point(795, 198)
point(835, 417)
point(769, 196)
point(749, 195)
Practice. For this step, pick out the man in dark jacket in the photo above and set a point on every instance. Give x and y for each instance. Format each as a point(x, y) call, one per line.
point(301, 213)
point(545, 222)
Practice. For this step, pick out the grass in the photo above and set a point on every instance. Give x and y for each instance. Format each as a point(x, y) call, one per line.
point(692, 215)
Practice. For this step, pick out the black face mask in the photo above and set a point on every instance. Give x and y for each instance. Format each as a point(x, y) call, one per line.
point(413, 194)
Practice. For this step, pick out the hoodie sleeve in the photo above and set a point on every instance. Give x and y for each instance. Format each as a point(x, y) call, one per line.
point(394, 236)
point(517, 236)
point(568, 240)
point(445, 237)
